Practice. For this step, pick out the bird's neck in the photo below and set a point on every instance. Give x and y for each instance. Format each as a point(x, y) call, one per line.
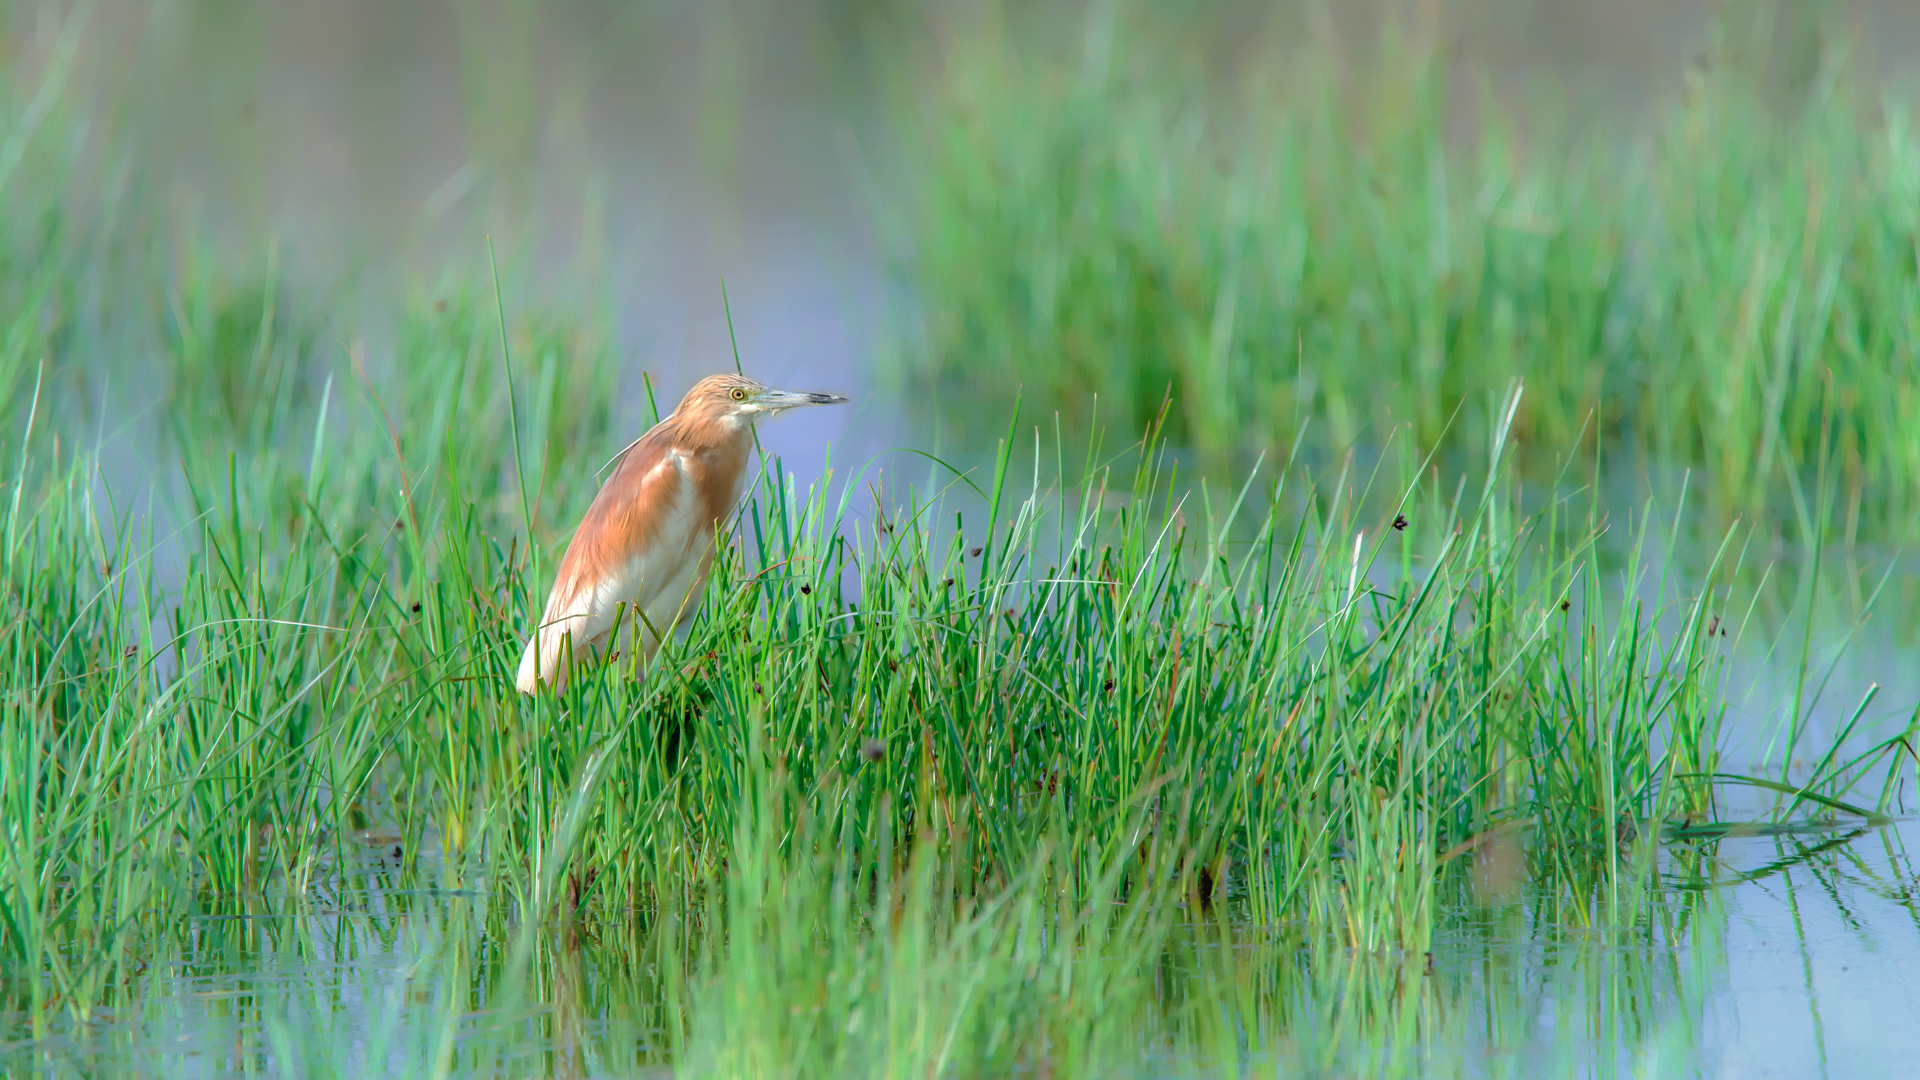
point(719, 466)
point(696, 429)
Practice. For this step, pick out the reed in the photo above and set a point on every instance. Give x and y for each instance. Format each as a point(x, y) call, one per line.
point(1048, 765)
point(1091, 682)
point(1343, 240)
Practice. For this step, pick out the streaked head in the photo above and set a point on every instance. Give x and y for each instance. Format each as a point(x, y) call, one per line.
point(732, 400)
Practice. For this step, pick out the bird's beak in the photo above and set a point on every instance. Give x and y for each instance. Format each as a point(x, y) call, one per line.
point(774, 401)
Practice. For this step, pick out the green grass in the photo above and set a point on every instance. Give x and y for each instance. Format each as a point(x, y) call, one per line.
point(803, 985)
point(1324, 244)
point(1018, 779)
point(1049, 716)
point(1070, 764)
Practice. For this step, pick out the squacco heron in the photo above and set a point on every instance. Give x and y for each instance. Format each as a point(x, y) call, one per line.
point(637, 564)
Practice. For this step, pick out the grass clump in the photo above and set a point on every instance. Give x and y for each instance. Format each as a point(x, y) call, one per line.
point(1043, 715)
point(1733, 288)
point(1051, 766)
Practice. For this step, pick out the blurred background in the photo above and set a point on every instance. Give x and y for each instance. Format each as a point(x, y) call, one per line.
point(625, 159)
point(1291, 230)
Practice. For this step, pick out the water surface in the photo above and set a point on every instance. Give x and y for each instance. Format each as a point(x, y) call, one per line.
point(632, 160)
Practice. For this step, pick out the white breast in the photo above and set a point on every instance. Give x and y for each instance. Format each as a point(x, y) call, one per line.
point(644, 595)
point(663, 580)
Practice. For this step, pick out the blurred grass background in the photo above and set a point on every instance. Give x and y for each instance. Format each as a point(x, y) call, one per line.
point(1689, 227)
point(1352, 240)
point(266, 550)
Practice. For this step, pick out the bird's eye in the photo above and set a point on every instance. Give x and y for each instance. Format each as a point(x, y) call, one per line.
point(739, 393)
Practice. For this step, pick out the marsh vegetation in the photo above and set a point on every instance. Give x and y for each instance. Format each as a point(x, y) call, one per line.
point(1313, 705)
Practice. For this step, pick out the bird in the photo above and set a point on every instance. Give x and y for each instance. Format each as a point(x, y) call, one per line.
point(637, 563)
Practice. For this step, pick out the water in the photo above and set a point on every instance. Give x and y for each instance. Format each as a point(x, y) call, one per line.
point(636, 159)
point(1778, 956)
point(1818, 960)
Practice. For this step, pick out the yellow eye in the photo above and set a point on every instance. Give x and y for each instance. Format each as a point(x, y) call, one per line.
point(739, 393)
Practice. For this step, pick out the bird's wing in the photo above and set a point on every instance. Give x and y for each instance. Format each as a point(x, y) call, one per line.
point(631, 542)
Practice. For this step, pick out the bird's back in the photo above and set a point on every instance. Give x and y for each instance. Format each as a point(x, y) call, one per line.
point(645, 544)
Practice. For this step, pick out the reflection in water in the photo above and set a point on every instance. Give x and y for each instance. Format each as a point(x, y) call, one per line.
point(1779, 953)
point(628, 161)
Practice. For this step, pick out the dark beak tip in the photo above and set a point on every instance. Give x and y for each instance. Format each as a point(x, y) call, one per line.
point(827, 399)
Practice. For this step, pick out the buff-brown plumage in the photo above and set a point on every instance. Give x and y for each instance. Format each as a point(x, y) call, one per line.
point(638, 561)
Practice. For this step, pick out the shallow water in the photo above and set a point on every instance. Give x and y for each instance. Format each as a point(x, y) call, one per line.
point(1783, 956)
point(681, 148)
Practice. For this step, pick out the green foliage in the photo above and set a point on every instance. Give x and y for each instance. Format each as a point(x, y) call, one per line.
point(1048, 770)
point(1735, 289)
point(1080, 711)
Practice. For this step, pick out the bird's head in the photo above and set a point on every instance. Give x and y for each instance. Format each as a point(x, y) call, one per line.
point(733, 400)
